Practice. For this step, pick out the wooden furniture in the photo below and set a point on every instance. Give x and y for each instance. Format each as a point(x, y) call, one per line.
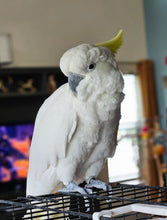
point(25, 90)
point(146, 76)
point(22, 92)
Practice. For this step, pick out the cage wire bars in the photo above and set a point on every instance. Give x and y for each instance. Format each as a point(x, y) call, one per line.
point(76, 206)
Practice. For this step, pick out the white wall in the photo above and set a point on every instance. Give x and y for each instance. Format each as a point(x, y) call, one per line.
point(43, 29)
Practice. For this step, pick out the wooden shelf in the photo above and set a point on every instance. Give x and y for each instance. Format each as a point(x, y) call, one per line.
point(21, 95)
point(18, 107)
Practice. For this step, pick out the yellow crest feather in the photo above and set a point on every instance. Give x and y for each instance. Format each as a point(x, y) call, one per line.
point(113, 44)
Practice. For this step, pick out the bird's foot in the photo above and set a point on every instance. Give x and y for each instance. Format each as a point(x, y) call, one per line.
point(73, 187)
point(92, 183)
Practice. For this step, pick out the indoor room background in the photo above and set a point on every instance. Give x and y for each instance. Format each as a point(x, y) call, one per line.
point(41, 31)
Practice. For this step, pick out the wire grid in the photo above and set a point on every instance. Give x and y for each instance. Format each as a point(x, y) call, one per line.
point(77, 206)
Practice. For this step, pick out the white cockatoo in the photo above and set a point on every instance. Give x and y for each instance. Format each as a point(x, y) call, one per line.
point(76, 127)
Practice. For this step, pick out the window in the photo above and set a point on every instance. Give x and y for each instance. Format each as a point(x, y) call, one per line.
point(124, 164)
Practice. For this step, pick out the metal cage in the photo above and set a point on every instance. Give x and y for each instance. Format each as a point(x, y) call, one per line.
point(77, 206)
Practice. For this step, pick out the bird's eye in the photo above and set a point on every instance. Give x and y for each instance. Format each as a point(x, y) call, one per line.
point(91, 67)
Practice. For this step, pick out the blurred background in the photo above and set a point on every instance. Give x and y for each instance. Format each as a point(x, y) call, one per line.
point(33, 37)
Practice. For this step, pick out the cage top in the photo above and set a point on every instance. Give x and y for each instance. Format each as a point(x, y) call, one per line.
point(78, 206)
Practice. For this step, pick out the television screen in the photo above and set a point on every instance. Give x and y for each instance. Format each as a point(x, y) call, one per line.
point(14, 151)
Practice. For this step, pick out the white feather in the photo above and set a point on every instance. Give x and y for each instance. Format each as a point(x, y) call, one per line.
point(75, 133)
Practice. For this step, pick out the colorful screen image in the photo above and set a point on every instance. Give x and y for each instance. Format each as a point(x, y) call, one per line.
point(14, 151)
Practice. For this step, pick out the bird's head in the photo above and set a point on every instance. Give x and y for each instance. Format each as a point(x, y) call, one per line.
point(90, 61)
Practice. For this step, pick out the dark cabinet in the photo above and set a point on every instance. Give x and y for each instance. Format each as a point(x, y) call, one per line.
point(23, 90)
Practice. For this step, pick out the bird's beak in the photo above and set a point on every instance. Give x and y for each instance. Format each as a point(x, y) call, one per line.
point(74, 80)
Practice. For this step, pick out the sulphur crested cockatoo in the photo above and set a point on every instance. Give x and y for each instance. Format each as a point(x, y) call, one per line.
point(76, 127)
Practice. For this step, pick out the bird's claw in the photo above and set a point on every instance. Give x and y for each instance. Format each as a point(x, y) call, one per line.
point(99, 185)
point(72, 187)
point(88, 190)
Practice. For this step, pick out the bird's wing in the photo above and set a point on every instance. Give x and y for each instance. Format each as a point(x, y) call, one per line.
point(55, 125)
